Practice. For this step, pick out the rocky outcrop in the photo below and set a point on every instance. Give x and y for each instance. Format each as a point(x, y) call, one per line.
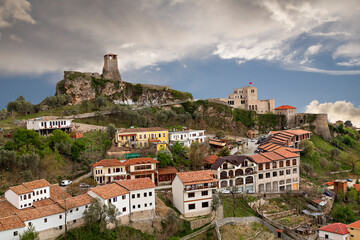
point(87, 86)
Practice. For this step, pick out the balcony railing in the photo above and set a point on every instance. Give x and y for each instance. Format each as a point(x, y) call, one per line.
point(192, 187)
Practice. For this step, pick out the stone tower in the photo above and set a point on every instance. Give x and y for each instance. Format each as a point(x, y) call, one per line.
point(110, 69)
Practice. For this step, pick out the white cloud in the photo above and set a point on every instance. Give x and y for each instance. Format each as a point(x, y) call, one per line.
point(12, 10)
point(310, 51)
point(339, 110)
point(15, 38)
point(330, 72)
point(351, 52)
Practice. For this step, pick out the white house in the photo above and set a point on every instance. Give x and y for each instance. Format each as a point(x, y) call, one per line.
point(142, 196)
point(187, 137)
point(192, 192)
point(335, 231)
point(46, 126)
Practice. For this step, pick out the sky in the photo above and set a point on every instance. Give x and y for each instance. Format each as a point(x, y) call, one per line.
point(301, 53)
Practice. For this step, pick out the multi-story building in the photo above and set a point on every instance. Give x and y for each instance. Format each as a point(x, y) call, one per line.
point(142, 137)
point(111, 170)
point(235, 170)
point(335, 231)
point(246, 98)
point(286, 138)
point(46, 126)
point(354, 230)
point(48, 215)
point(277, 171)
point(187, 137)
point(192, 192)
point(290, 114)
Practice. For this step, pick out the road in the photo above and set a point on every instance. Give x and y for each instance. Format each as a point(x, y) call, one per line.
point(246, 149)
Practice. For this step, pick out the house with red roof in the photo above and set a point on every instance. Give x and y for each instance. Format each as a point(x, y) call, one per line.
point(335, 231)
point(285, 138)
point(354, 230)
point(192, 192)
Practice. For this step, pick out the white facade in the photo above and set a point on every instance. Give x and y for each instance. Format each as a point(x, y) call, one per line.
point(120, 202)
point(323, 235)
point(12, 234)
point(186, 138)
point(39, 124)
point(21, 201)
point(142, 200)
point(192, 200)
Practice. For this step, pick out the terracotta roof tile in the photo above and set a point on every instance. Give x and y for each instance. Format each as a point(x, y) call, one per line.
point(285, 153)
point(44, 202)
point(108, 163)
point(135, 130)
point(338, 228)
point(37, 184)
point(272, 156)
point(258, 158)
point(20, 189)
point(210, 159)
point(357, 187)
point(74, 202)
point(11, 222)
point(355, 224)
point(136, 184)
point(57, 193)
point(7, 209)
point(33, 213)
point(167, 170)
point(283, 107)
point(134, 161)
point(196, 177)
point(109, 191)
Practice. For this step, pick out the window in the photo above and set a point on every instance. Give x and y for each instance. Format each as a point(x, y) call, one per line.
point(163, 134)
point(204, 193)
point(124, 209)
point(294, 162)
point(40, 191)
point(60, 216)
point(109, 200)
point(114, 200)
point(77, 209)
point(20, 198)
point(287, 163)
point(16, 233)
point(29, 223)
point(274, 174)
point(159, 135)
point(260, 166)
point(288, 171)
point(60, 227)
point(133, 196)
point(261, 176)
point(145, 204)
point(151, 204)
point(144, 136)
point(205, 204)
point(281, 173)
point(71, 211)
point(281, 163)
point(295, 170)
point(29, 195)
point(268, 175)
point(326, 236)
point(140, 136)
point(138, 195)
point(145, 194)
point(45, 220)
point(191, 195)
point(133, 206)
point(123, 197)
point(150, 194)
point(86, 206)
point(20, 206)
point(138, 205)
point(192, 206)
point(25, 205)
point(24, 197)
point(267, 165)
point(74, 221)
point(274, 165)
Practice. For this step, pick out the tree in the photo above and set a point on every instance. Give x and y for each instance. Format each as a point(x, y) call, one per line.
point(195, 156)
point(220, 134)
point(215, 202)
point(20, 106)
point(352, 195)
point(308, 148)
point(348, 123)
point(77, 147)
point(353, 159)
point(7, 159)
point(101, 214)
point(27, 141)
point(111, 131)
point(57, 137)
point(343, 214)
point(165, 158)
point(224, 152)
point(100, 102)
point(334, 152)
point(233, 191)
point(30, 161)
point(29, 234)
point(85, 105)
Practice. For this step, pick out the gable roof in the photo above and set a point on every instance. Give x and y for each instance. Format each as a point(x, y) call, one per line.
point(109, 191)
point(136, 184)
point(11, 222)
point(233, 159)
point(134, 161)
point(167, 170)
point(39, 212)
point(57, 193)
point(77, 201)
point(338, 228)
point(355, 224)
point(283, 107)
point(108, 163)
point(28, 187)
point(196, 177)
point(211, 159)
point(259, 158)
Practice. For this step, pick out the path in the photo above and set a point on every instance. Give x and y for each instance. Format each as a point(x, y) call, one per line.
point(194, 234)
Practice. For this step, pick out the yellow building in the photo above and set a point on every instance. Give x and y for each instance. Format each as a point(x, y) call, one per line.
point(354, 230)
point(142, 137)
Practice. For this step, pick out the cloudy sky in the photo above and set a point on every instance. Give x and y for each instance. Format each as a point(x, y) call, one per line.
point(302, 53)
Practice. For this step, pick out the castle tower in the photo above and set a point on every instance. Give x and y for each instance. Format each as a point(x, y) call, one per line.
point(110, 69)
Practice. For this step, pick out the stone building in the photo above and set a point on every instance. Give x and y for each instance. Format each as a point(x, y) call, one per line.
point(246, 98)
point(290, 114)
point(110, 69)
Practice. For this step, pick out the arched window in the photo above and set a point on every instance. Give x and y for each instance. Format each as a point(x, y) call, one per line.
point(223, 175)
point(239, 181)
point(249, 180)
point(239, 172)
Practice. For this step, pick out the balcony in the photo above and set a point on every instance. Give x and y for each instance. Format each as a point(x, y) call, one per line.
point(202, 186)
point(114, 174)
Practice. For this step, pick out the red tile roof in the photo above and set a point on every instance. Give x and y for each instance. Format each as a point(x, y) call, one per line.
point(135, 130)
point(108, 163)
point(20, 189)
point(109, 191)
point(283, 107)
point(355, 224)
point(136, 184)
point(167, 170)
point(286, 153)
point(57, 193)
point(357, 187)
point(11, 222)
point(329, 183)
point(77, 201)
point(33, 213)
point(272, 156)
point(37, 184)
point(6, 208)
point(134, 161)
point(259, 158)
point(211, 159)
point(44, 202)
point(196, 177)
point(338, 228)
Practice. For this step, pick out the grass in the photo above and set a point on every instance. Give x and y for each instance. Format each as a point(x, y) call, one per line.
point(242, 209)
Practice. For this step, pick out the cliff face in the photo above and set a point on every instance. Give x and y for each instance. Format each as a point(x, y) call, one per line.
point(87, 86)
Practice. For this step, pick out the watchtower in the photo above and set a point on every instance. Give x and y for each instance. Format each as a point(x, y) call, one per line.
point(110, 69)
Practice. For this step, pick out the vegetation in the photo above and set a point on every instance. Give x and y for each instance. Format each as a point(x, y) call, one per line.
point(241, 209)
point(29, 234)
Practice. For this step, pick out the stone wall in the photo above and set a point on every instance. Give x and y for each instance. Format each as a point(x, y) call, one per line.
point(86, 127)
point(322, 126)
point(196, 223)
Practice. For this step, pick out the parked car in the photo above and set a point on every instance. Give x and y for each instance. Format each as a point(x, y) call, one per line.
point(349, 180)
point(84, 185)
point(225, 191)
point(329, 194)
point(250, 191)
point(65, 183)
